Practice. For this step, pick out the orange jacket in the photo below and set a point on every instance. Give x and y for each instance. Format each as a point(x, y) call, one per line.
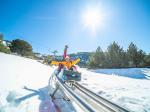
point(65, 63)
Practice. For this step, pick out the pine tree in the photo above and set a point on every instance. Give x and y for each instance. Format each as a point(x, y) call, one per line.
point(21, 47)
point(140, 58)
point(115, 55)
point(135, 56)
point(147, 60)
point(97, 59)
point(1, 38)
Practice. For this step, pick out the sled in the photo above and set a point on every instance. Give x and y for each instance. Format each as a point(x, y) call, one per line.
point(68, 75)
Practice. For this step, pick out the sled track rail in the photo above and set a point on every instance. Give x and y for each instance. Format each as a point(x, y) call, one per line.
point(70, 93)
point(103, 104)
point(87, 100)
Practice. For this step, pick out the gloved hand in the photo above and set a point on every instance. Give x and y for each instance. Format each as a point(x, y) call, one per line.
point(66, 46)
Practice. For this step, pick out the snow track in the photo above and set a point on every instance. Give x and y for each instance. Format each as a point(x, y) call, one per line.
point(86, 99)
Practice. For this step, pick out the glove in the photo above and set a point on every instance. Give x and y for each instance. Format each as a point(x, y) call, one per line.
point(66, 46)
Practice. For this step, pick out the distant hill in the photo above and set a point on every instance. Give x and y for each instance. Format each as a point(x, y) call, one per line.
point(84, 56)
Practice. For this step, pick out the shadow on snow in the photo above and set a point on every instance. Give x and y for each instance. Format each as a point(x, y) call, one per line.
point(136, 73)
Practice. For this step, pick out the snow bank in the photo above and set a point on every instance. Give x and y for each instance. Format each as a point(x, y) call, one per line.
point(17, 73)
point(137, 73)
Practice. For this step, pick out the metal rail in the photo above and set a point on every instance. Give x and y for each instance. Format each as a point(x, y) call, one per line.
point(104, 104)
point(87, 100)
point(86, 107)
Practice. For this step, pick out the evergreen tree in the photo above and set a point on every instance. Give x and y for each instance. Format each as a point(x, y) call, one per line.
point(135, 56)
point(97, 59)
point(1, 37)
point(115, 55)
point(21, 47)
point(147, 60)
point(132, 54)
point(140, 58)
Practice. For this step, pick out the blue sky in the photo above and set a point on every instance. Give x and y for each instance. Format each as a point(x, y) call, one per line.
point(50, 24)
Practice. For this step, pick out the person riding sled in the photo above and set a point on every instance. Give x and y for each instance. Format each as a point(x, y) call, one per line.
point(67, 62)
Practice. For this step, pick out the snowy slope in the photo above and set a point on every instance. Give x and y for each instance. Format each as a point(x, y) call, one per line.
point(132, 93)
point(17, 72)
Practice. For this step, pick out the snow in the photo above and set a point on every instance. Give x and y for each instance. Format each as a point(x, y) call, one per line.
point(138, 73)
point(17, 72)
point(130, 92)
point(126, 87)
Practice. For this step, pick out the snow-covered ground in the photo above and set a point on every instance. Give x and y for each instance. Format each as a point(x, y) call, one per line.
point(127, 87)
point(17, 72)
point(136, 73)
